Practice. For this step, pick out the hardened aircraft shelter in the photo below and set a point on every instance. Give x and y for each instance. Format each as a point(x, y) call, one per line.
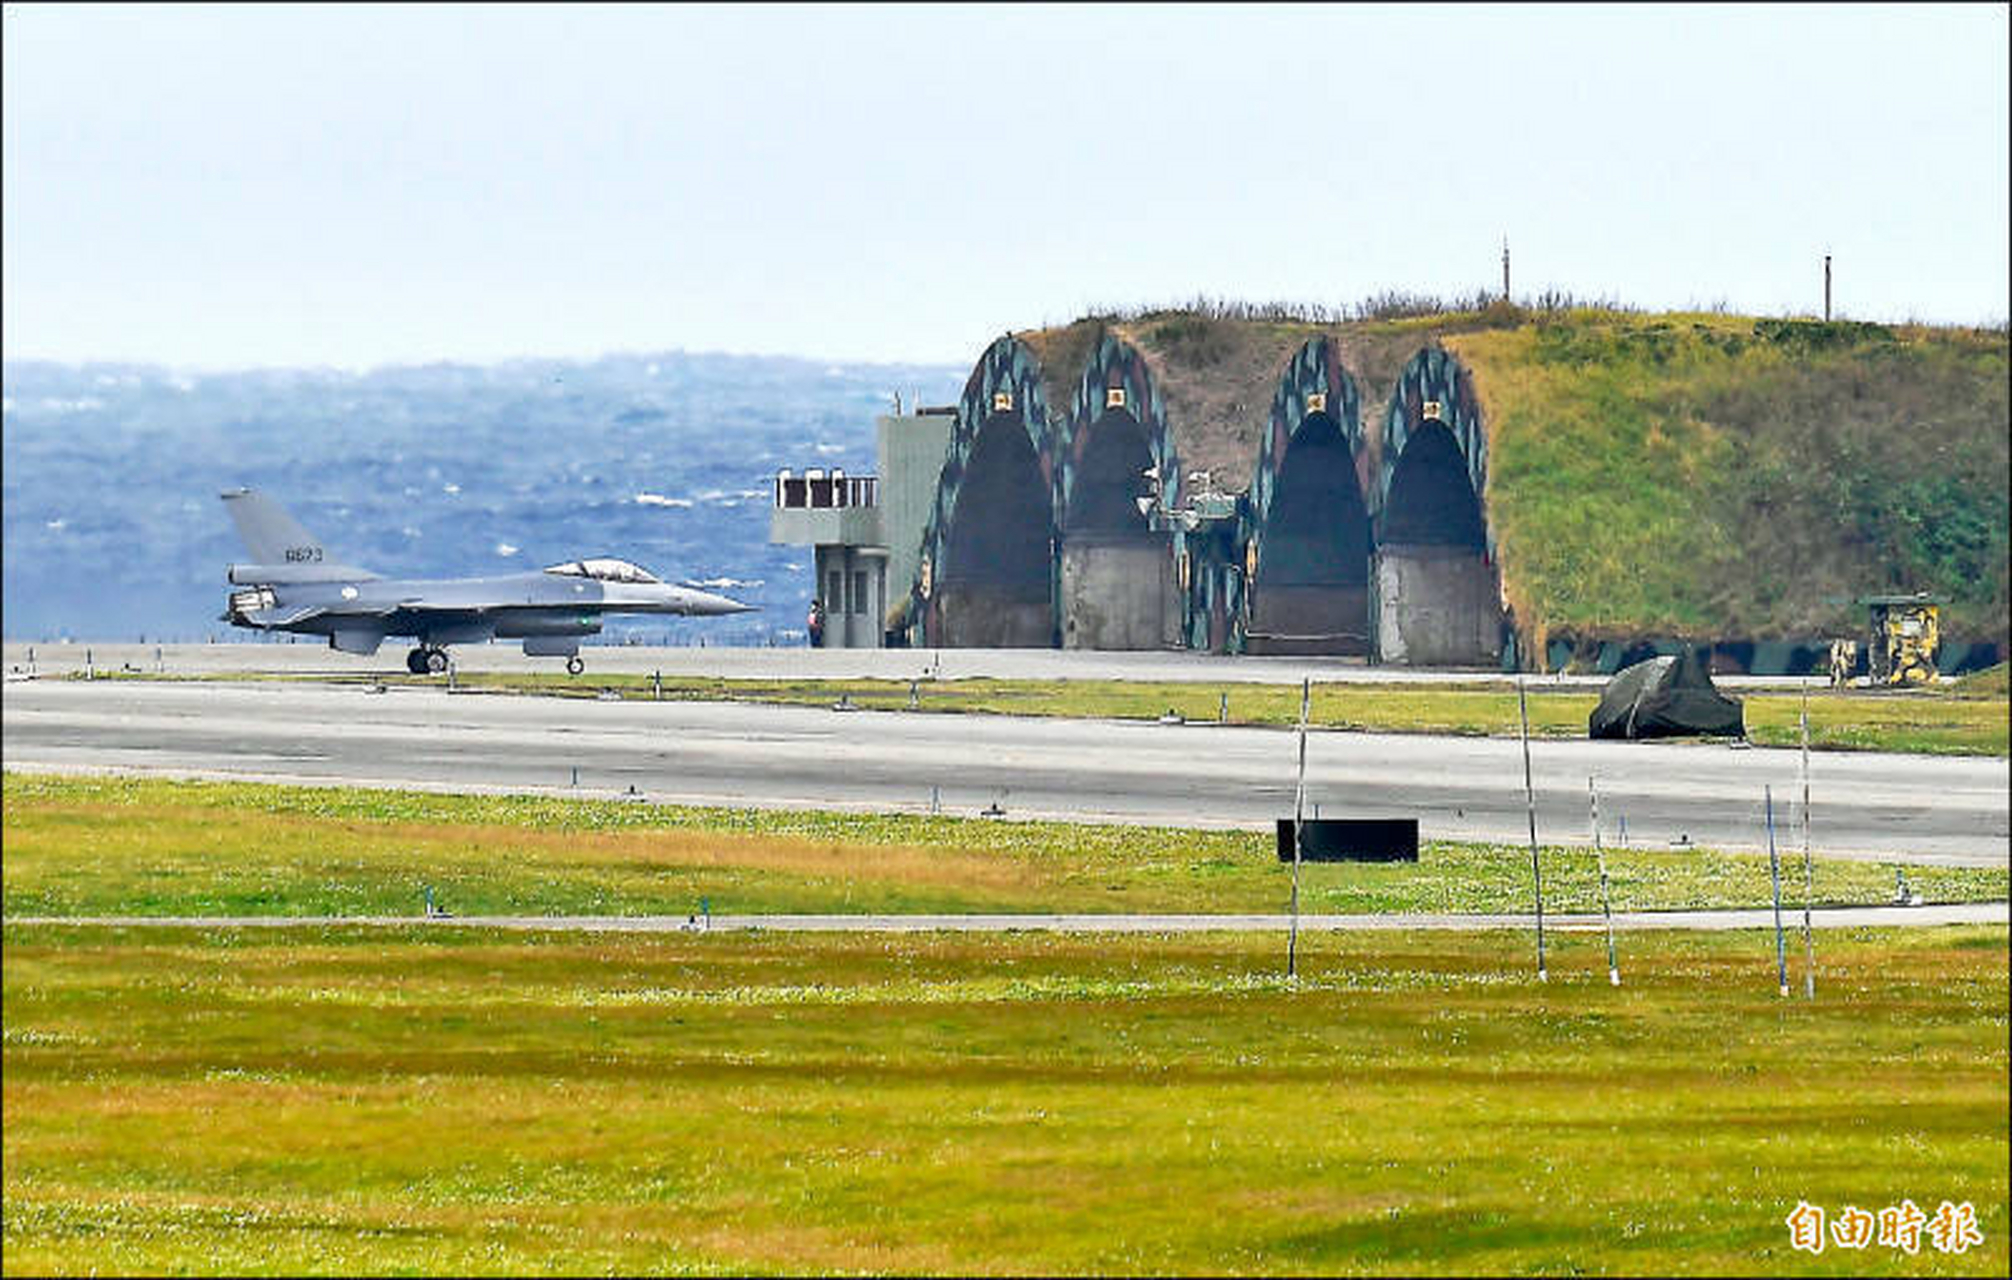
point(1083, 527)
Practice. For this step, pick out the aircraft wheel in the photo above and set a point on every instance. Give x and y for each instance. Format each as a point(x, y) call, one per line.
point(575, 665)
point(415, 662)
point(436, 661)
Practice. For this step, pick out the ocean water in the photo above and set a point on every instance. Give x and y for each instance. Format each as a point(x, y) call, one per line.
point(110, 526)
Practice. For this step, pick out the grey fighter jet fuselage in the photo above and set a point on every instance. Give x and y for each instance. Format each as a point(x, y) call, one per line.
point(293, 584)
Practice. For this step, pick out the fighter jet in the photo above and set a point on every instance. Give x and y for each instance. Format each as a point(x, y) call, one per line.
point(294, 584)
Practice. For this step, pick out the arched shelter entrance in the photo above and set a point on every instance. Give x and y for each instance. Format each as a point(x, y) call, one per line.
point(1438, 597)
point(1109, 477)
point(1308, 553)
point(985, 578)
point(1116, 560)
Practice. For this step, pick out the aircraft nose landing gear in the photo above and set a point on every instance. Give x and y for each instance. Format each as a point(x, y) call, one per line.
point(575, 665)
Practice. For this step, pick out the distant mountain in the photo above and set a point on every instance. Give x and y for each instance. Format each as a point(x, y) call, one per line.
point(112, 529)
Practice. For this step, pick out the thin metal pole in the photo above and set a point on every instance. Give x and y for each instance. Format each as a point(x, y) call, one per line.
point(1774, 872)
point(1298, 827)
point(1530, 798)
point(1606, 907)
point(1808, 870)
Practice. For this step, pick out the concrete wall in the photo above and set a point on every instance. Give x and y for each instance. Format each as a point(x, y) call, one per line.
point(912, 449)
point(1437, 606)
point(812, 526)
point(1118, 593)
point(1309, 620)
point(985, 615)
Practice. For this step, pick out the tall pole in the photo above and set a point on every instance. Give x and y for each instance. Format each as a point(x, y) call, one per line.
point(1808, 871)
point(1774, 872)
point(1530, 798)
point(1826, 286)
point(1298, 827)
point(1606, 907)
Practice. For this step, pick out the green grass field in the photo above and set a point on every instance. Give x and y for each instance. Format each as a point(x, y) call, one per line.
point(123, 846)
point(358, 1101)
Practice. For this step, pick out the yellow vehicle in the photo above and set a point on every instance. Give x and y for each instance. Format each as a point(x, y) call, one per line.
point(1904, 638)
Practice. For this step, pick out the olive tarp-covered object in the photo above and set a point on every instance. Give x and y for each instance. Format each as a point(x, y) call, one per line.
point(1667, 697)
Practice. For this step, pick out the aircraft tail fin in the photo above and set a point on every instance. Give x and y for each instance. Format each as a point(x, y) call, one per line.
point(272, 536)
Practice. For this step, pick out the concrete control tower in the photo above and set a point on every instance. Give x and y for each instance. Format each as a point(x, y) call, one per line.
point(866, 531)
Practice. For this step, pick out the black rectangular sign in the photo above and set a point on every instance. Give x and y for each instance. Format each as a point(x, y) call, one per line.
point(1351, 840)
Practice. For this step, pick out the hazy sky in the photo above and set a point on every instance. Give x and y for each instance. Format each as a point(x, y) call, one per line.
point(348, 185)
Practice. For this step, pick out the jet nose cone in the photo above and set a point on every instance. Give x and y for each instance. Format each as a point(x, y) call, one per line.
point(707, 604)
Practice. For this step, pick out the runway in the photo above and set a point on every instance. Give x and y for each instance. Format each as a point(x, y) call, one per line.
point(1173, 666)
point(1915, 808)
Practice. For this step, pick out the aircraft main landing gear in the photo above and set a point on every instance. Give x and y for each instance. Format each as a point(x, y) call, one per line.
point(426, 662)
point(575, 665)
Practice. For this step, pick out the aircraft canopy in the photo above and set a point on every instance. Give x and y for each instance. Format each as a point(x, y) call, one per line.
point(604, 570)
